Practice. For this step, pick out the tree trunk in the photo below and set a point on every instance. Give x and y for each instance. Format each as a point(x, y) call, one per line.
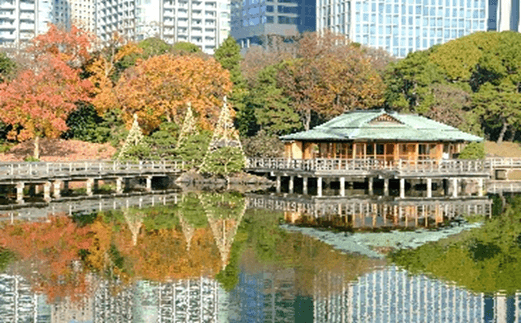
point(502, 133)
point(307, 119)
point(36, 148)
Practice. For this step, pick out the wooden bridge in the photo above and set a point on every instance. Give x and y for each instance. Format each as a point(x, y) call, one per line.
point(58, 175)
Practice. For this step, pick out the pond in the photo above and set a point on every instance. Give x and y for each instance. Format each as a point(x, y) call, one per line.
point(231, 257)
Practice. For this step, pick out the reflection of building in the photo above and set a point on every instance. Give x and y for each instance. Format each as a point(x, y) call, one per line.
point(504, 15)
point(18, 303)
point(393, 295)
point(368, 212)
point(265, 297)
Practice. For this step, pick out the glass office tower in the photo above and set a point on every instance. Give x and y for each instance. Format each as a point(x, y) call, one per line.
point(402, 26)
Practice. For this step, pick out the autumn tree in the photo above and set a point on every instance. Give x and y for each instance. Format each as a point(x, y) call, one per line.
point(160, 87)
point(7, 68)
point(329, 76)
point(37, 103)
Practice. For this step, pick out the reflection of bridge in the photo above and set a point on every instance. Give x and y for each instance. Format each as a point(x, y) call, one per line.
point(369, 211)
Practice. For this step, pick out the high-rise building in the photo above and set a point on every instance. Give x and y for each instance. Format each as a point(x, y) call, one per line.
point(74, 12)
point(504, 15)
point(253, 20)
point(205, 23)
point(21, 20)
point(401, 27)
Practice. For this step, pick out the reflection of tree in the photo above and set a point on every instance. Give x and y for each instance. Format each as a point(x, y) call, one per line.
point(134, 221)
point(55, 249)
point(224, 212)
point(487, 259)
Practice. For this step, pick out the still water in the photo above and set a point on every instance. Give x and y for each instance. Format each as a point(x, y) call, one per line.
point(230, 257)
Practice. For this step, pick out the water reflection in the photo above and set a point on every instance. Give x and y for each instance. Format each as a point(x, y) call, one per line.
point(208, 257)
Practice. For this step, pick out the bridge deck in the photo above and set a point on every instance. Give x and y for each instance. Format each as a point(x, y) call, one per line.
point(370, 167)
point(11, 173)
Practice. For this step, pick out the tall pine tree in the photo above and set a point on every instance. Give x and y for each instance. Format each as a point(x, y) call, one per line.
point(229, 55)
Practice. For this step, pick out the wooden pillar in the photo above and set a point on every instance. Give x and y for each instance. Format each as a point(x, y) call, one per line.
point(319, 186)
point(304, 185)
point(429, 187)
point(386, 187)
point(454, 187)
point(402, 188)
point(47, 191)
point(342, 186)
point(57, 189)
point(119, 185)
point(36, 189)
point(370, 185)
point(148, 187)
point(278, 184)
point(480, 187)
point(291, 184)
point(89, 184)
point(20, 192)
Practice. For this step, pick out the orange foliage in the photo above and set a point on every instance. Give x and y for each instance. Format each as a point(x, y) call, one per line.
point(54, 247)
point(161, 86)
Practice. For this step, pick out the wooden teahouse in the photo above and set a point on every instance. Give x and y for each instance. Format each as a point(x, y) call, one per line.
point(380, 135)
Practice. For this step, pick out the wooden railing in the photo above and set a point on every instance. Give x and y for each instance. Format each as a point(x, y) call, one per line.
point(340, 165)
point(504, 162)
point(40, 169)
point(503, 187)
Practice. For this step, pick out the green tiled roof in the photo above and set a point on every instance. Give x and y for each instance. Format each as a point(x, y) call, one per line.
point(361, 125)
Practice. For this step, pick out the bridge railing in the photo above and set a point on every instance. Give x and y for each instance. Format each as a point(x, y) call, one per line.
point(335, 165)
point(22, 169)
point(508, 162)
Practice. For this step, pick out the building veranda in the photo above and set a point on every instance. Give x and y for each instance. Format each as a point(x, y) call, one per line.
point(384, 150)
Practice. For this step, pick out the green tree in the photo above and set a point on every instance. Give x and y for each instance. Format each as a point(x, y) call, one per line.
point(7, 68)
point(498, 106)
point(474, 150)
point(185, 48)
point(273, 112)
point(223, 161)
point(193, 148)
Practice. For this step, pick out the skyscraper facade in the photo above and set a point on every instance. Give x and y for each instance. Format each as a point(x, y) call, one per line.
point(21, 20)
point(252, 20)
point(205, 23)
point(504, 15)
point(404, 26)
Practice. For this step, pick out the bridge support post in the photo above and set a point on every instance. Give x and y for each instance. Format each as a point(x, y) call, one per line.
point(342, 186)
point(95, 185)
point(47, 191)
point(36, 189)
point(148, 187)
point(319, 186)
point(429, 187)
point(454, 187)
point(20, 192)
point(57, 189)
point(291, 184)
point(402, 188)
point(65, 187)
point(480, 187)
point(278, 184)
point(304, 185)
point(386, 187)
point(119, 185)
point(90, 183)
point(370, 185)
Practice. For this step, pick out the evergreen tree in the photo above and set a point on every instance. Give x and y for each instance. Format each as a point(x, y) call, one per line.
point(229, 55)
point(134, 147)
point(224, 154)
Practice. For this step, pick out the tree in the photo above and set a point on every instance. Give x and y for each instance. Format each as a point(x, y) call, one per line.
point(7, 68)
point(70, 46)
point(37, 103)
point(474, 150)
point(273, 112)
point(160, 87)
point(185, 48)
point(330, 76)
point(499, 106)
